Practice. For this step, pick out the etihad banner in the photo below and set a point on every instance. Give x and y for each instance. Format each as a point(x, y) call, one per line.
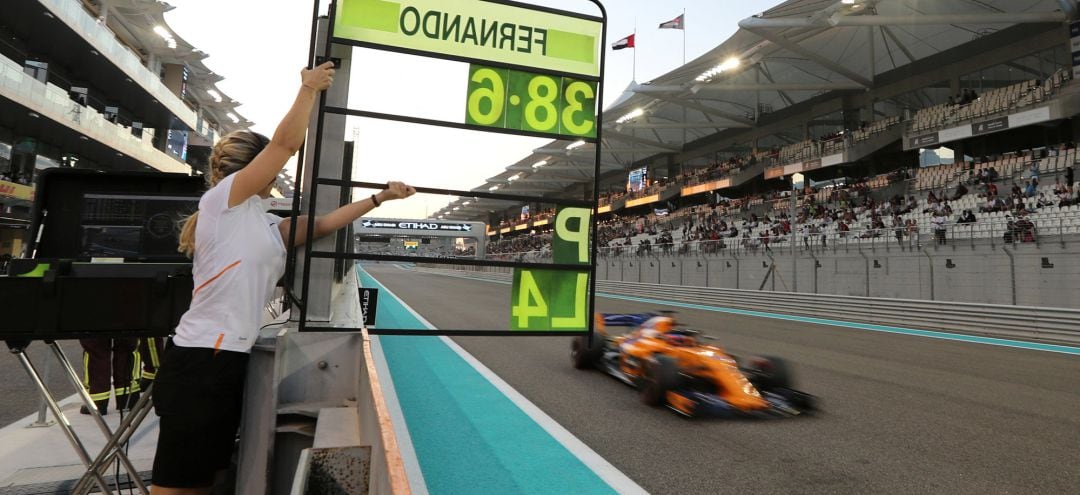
point(476, 30)
point(367, 223)
point(17, 191)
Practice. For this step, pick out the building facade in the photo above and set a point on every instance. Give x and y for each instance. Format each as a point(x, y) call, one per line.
point(99, 84)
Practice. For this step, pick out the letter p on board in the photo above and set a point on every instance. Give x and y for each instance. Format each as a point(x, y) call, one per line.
point(578, 234)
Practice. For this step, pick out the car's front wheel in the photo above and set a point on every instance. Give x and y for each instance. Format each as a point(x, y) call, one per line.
point(660, 376)
point(584, 355)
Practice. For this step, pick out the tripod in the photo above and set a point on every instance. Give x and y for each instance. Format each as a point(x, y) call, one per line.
point(115, 440)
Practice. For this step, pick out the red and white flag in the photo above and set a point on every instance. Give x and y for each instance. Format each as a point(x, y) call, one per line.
point(627, 42)
point(676, 23)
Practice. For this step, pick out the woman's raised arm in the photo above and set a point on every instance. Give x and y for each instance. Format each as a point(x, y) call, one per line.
point(287, 139)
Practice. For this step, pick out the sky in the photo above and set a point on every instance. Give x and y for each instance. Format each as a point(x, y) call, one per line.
point(259, 46)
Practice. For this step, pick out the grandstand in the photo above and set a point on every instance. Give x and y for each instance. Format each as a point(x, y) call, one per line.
point(994, 102)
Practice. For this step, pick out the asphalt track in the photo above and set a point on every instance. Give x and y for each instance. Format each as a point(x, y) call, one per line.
point(901, 414)
point(18, 396)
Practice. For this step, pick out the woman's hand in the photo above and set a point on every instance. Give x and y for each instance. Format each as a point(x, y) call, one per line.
point(396, 190)
point(319, 78)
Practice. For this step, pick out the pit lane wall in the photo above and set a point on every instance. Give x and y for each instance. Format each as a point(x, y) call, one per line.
point(1025, 291)
point(1028, 274)
point(314, 406)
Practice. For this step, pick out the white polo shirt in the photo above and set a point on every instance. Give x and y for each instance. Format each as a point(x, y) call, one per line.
point(239, 257)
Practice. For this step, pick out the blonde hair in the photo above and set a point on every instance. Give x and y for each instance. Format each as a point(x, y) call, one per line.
point(231, 154)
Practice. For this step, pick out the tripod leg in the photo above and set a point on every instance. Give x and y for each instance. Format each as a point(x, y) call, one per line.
point(62, 421)
point(85, 395)
point(124, 433)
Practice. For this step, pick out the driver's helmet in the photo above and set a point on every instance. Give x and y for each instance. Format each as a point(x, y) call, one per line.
point(658, 325)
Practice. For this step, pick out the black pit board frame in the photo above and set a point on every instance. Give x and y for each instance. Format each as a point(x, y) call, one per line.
point(301, 299)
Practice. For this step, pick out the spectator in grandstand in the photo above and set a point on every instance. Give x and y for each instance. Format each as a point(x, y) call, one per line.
point(1010, 230)
point(1059, 188)
point(992, 175)
point(961, 190)
point(972, 179)
point(966, 217)
point(1043, 201)
point(898, 229)
point(1016, 191)
point(1025, 229)
point(931, 198)
point(764, 236)
point(912, 232)
point(1030, 206)
point(938, 222)
point(666, 241)
point(1068, 200)
point(1032, 187)
point(644, 247)
point(911, 205)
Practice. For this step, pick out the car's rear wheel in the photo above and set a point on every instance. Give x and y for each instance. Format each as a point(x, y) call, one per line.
point(660, 376)
point(584, 355)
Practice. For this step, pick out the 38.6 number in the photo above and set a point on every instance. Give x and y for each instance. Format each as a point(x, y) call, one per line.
point(534, 102)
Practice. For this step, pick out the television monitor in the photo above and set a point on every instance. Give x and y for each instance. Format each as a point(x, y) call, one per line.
point(637, 180)
point(84, 214)
point(132, 225)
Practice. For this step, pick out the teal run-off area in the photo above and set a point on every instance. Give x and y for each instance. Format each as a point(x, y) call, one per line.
point(468, 436)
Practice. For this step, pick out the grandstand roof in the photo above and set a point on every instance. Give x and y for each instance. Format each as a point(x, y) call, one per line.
point(788, 54)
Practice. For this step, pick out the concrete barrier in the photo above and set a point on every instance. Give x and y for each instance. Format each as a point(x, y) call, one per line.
point(1036, 323)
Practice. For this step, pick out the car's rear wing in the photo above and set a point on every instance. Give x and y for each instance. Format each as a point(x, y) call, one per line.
point(625, 319)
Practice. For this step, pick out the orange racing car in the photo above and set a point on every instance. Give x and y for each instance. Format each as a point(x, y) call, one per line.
point(669, 366)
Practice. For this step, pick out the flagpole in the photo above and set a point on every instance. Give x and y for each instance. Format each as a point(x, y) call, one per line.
point(683, 26)
point(635, 51)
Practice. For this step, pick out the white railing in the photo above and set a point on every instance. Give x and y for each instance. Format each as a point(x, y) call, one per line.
point(51, 102)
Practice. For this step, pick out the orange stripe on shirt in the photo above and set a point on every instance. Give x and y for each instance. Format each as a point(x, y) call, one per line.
point(215, 277)
point(217, 345)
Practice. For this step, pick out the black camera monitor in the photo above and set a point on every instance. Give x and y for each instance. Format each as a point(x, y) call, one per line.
point(131, 216)
point(132, 226)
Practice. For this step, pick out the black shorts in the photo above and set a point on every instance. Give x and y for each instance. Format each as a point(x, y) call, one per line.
point(198, 393)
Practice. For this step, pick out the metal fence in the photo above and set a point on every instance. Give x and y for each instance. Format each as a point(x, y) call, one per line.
point(1050, 325)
